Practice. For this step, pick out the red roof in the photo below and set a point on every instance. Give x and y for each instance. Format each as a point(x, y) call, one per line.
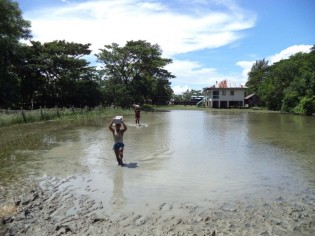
point(226, 84)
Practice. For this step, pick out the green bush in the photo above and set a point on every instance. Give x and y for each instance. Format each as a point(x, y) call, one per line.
point(147, 107)
point(306, 106)
point(290, 101)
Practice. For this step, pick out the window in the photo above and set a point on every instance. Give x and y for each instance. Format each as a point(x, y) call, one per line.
point(232, 92)
point(215, 95)
point(223, 93)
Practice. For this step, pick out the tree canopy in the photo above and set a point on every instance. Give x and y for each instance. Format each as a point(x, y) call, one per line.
point(135, 72)
point(12, 28)
point(48, 71)
point(288, 85)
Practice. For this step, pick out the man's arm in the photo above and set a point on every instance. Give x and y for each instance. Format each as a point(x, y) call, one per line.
point(125, 127)
point(110, 126)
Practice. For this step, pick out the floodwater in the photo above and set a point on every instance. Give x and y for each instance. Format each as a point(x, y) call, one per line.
point(180, 156)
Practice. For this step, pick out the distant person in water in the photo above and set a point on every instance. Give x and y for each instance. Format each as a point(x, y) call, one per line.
point(137, 110)
point(118, 134)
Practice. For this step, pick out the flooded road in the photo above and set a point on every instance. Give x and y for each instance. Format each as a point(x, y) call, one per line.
point(176, 156)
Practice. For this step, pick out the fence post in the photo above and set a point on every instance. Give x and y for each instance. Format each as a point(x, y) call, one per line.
point(23, 115)
point(58, 112)
point(41, 112)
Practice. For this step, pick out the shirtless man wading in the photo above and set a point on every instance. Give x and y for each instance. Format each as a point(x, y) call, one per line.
point(118, 134)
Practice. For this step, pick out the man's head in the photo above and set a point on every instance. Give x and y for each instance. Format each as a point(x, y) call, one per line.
point(117, 126)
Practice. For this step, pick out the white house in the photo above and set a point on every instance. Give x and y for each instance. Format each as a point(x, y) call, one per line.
point(225, 94)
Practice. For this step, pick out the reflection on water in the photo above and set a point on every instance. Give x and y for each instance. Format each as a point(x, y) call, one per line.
point(178, 155)
point(118, 200)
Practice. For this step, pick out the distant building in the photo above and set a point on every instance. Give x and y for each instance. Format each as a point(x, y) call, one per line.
point(225, 94)
point(252, 100)
point(196, 98)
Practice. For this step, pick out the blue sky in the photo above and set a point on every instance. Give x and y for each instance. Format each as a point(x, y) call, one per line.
point(208, 40)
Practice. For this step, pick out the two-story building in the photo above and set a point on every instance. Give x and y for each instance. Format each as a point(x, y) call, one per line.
point(224, 94)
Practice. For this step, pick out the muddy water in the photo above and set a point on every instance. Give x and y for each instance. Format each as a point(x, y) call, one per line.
point(177, 156)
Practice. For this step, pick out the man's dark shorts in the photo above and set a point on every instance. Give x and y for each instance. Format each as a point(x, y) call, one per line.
point(118, 146)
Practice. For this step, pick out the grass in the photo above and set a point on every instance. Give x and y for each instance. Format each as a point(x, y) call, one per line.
point(13, 129)
point(40, 115)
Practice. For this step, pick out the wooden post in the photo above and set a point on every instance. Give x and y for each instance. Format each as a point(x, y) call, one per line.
point(41, 112)
point(58, 112)
point(23, 115)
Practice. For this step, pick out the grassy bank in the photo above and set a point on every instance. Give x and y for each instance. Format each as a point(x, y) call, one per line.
point(32, 134)
point(9, 117)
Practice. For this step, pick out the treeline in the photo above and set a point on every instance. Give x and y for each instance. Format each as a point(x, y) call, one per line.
point(288, 85)
point(58, 74)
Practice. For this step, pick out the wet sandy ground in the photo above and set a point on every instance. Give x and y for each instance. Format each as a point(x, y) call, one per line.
point(47, 208)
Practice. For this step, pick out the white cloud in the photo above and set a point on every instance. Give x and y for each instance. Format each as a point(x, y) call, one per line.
point(191, 72)
point(193, 75)
point(180, 89)
point(65, 1)
point(103, 22)
point(286, 53)
point(246, 66)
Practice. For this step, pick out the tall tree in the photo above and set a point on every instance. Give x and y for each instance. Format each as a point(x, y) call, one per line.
point(162, 92)
point(12, 28)
point(289, 84)
point(138, 66)
point(56, 74)
point(256, 75)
